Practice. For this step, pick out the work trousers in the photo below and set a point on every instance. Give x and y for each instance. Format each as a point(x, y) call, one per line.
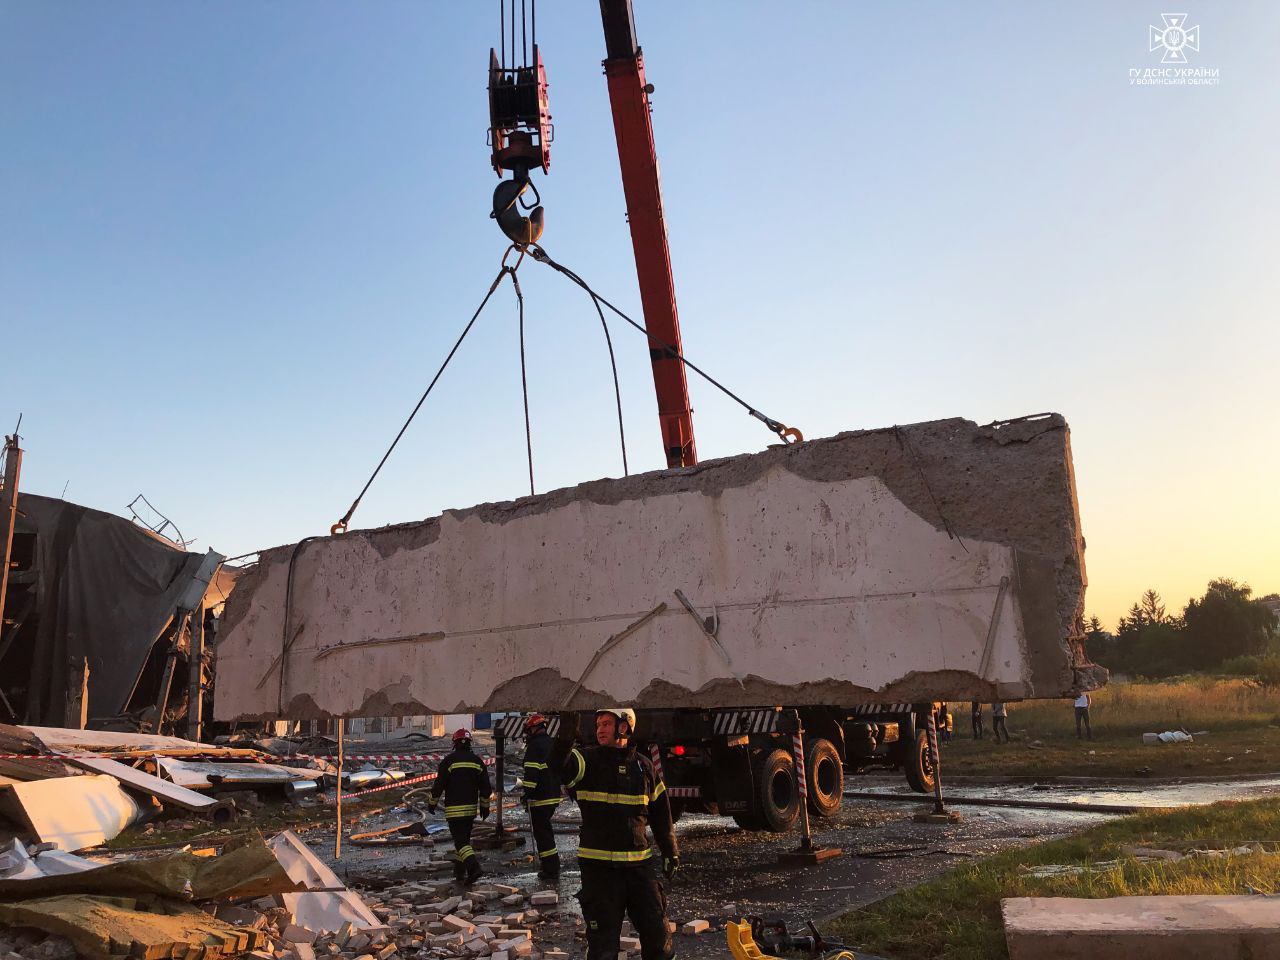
point(465, 861)
point(1082, 714)
point(544, 839)
point(977, 727)
point(999, 729)
point(609, 892)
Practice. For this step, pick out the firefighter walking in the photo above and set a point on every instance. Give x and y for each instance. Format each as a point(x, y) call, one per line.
point(619, 796)
point(464, 781)
point(541, 794)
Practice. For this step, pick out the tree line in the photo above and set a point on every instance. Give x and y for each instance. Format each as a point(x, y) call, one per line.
point(1225, 630)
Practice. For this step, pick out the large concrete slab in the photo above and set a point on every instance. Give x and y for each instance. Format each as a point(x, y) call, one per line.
point(935, 560)
point(1154, 928)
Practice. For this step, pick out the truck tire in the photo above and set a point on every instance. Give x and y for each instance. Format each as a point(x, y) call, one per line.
point(824, 774)
point(917, 764)
point(777, 796)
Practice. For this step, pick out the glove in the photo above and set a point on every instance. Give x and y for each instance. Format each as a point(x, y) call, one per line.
point(524, 802)
point(431, 806)
point(484, 813)
point(669, 867)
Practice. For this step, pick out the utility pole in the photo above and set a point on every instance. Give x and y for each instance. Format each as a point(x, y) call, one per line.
point(9, 510)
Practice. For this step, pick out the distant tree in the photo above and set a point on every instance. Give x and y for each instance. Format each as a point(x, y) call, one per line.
point(1153, 607)
point(1226, 623)
point(1098, 643)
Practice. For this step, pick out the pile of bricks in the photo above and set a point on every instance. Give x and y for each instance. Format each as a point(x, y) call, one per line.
point(422, 919)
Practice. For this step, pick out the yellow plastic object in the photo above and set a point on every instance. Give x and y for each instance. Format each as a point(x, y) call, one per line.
point(741, 944)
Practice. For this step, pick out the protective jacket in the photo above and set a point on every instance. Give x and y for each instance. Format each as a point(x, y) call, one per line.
point(619, 797)
point(541, 784)
point(464, 781)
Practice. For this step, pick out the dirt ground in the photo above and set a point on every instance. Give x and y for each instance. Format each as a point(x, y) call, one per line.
point(884, 850)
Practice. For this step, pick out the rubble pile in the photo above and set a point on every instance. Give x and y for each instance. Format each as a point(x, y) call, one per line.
point(422, 918)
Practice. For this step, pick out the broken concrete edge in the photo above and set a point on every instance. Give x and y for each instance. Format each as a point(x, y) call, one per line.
point(902, 459)
point(709, 477)
point(915, 687)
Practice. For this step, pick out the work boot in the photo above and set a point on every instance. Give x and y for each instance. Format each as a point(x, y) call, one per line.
point(459, 871)
point(549, 869)
point(474, 872)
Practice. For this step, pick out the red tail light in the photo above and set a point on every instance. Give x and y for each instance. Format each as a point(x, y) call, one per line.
point(677, 750)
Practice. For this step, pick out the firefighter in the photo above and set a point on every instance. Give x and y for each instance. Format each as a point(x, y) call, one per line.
point(619, 797)
point(541, 794)
point(464, 781)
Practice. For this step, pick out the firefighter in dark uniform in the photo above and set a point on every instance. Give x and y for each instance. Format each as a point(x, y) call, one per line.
point(619, 797)
point(464, 781)
point(541, 794)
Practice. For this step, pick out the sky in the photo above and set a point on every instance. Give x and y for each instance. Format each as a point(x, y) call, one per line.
point(236, 240)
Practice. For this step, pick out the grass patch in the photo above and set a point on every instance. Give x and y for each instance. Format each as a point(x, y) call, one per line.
point(1237, 714)
point(957, 916)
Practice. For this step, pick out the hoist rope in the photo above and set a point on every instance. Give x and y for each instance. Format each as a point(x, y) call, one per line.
point(617, 392)
point(541, 255)
point(524, 381)
point(346, 517)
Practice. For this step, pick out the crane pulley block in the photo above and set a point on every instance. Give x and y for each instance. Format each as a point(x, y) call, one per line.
point(520, 129)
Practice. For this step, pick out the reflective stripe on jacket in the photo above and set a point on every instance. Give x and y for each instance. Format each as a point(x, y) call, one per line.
point(464, 781)
point(541, 784)
point(619, 796)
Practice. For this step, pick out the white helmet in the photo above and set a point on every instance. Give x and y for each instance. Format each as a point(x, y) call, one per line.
point(621, 713)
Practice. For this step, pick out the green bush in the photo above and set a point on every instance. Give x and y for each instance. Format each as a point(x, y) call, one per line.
point(1269, 671)
point(1246, 666)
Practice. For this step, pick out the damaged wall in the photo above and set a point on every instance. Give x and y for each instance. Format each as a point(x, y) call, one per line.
point(868, 566)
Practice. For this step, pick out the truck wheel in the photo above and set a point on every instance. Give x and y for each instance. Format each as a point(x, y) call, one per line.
point(825, 775)
point(777, 796)
point(918, 766)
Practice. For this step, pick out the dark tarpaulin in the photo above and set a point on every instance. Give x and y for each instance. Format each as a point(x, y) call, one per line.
point(106, 589)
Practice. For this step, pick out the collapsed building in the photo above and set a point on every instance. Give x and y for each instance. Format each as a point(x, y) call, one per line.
point(101, 617)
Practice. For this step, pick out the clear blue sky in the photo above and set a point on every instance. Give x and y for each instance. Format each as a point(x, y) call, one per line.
point(237, 238)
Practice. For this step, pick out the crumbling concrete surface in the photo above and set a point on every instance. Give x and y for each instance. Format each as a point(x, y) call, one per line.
point(935, 560)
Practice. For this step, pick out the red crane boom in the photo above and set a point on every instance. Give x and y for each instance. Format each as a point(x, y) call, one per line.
point(629, 98)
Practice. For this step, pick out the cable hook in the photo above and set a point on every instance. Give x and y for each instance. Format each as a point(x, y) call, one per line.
point(507, 204)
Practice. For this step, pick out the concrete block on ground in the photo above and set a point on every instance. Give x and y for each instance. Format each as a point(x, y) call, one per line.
point(695, 927)
point(629, 944)
point(452, 922)
point(545, 898)
point(974, 589)
point(1153, 928)
point(292, 933)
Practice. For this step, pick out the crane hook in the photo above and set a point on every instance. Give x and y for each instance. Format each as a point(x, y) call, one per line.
point(507, 203)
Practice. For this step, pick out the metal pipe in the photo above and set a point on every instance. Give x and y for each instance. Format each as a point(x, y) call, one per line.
point(499, 747)
point(9, 504)
point(337, 836)
point(195, 682)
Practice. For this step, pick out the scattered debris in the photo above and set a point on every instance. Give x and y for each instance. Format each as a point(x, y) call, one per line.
point(73, 812)
point(1169, 736)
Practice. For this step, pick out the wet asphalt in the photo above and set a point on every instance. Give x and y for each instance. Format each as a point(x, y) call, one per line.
point(726, 870)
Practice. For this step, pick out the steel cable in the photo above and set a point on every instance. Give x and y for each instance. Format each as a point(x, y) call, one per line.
point(346, 517)
point(541, 255)
point(524, 381)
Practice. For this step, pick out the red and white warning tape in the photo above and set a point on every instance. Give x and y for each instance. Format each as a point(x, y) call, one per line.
point(400, 757)
point(797, 746)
